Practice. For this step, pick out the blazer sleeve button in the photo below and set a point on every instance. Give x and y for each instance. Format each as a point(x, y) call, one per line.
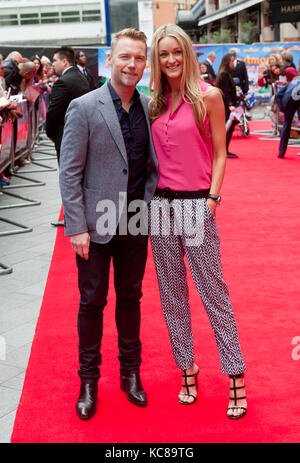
point(125, 171)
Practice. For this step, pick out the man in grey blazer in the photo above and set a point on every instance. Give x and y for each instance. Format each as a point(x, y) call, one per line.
point(108, 161)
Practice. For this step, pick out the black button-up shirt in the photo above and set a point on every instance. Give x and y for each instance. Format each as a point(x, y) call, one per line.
point(136, 138)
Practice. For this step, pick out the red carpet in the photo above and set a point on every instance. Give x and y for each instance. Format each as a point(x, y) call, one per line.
point(259, 225)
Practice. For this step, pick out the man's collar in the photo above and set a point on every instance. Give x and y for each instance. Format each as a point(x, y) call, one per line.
point(66, 70)
point(115, 96)
point(81, 68)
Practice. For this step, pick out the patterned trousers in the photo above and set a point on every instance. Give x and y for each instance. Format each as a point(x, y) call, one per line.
point(187, 227)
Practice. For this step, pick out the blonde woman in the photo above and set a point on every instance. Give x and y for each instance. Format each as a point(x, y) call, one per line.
point(188, 129)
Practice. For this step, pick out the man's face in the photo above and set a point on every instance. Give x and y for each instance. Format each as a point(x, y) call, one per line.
point(82, 59)
point(128, 62)
point(212, 58)
point(59, 65)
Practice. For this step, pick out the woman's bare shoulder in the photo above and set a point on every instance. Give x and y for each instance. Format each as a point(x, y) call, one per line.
point(212, 93)
point(212, 97)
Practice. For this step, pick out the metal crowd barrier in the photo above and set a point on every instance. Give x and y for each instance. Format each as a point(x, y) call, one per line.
point(19, 140)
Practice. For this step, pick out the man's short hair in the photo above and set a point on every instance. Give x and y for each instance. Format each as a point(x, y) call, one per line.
point(27, 68)
point(212, 54)
point(129, 33)
point(66, 53)
point(77, 53)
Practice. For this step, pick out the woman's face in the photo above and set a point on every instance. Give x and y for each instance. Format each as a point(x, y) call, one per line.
point(37, 64)
point(170, 58)
point(50, 71)
point(203, 68)
point(231, 62)
point(272, 60)
point(275, 70)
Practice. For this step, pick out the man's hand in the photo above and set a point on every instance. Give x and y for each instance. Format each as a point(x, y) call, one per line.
point(81, 244)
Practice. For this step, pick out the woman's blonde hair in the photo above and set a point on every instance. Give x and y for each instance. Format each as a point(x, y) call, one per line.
point(189, 84)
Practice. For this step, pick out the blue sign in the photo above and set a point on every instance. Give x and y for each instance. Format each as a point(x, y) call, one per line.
point(254, 56)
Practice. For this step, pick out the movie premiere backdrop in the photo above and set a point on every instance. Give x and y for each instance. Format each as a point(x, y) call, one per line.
point(254, 55)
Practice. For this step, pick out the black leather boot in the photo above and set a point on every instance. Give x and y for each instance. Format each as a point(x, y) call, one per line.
point(131, 383)
point(86, 403)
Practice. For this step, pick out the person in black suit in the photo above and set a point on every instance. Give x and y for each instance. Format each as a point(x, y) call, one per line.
point(71, 84)
point(239, 70)
point(81, 60)
point(209, 63)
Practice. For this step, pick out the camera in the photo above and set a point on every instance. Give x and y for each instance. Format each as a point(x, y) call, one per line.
point(267, 76)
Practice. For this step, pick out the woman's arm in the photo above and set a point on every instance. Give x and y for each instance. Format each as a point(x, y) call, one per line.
point(216, 115)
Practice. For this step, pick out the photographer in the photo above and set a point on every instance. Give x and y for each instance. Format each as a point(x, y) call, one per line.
point(269, 76)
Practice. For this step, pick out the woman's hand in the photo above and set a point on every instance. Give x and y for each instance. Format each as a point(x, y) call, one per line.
point(212, 204)
point(232, 108)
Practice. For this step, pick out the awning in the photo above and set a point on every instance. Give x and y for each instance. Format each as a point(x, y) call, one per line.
point(229, 10)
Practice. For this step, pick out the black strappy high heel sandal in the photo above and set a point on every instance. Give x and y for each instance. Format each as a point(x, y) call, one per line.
point(187, 386)
point(236, 399)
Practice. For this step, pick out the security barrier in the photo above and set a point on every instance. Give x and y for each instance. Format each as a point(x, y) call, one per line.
point(18, 140)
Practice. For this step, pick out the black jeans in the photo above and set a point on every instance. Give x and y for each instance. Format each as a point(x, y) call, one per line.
point(291, 108)
point(129, 254)
point(230, 132)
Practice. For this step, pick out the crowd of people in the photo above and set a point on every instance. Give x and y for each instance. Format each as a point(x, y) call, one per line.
point(31, 77)
point(275, 69)
point(232, 72)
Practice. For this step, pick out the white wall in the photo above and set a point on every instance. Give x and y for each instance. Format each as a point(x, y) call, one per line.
point(43, 32)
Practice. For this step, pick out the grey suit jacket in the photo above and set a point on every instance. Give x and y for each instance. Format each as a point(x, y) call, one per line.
point(93, 165)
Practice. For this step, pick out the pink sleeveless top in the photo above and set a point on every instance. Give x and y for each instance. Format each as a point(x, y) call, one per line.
point(184, 157)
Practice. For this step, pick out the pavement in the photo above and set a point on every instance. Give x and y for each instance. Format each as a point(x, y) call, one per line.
point(28, 256)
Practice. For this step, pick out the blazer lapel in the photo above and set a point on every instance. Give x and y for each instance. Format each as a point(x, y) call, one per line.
point(110, 117)
point(145, 104)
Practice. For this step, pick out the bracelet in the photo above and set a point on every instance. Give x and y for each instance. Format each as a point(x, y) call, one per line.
point(216, 198)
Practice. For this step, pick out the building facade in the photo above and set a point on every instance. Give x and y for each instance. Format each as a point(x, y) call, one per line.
point(244, 21)
point(71, 22)
point(47, 22)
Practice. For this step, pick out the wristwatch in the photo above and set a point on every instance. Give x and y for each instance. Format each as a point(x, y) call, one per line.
point(216, 198)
